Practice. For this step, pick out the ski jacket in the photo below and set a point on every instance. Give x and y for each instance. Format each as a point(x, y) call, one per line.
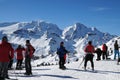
point(6, 52)
point(62, 51)
point(98, 51)
point(116, 46)
point(104, 48)
point(89, 49)
point(19, 52)
point(29, 51)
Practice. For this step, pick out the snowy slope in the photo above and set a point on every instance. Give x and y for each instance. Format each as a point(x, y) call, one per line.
point(106, 70)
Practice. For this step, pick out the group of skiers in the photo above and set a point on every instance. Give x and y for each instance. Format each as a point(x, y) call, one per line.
point(102, 52)
point(89, 54)
point(7, 55)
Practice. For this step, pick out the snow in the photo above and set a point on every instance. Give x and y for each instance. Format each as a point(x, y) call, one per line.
point(9, 29)
point(106, 70)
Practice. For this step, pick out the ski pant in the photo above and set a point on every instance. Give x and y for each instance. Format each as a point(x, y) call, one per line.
point(10, 64)
point(4, 69)
point(19, 63)
point(28, 65)
point(104, 55)
point(61, 62)
point(89, 57)
point(98, 56)
point(116, 52)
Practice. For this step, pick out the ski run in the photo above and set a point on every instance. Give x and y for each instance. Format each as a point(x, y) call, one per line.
point(104, 70)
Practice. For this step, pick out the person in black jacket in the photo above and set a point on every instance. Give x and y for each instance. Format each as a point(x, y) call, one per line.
point(116, 48)
point(62, 53)
point(98, 51)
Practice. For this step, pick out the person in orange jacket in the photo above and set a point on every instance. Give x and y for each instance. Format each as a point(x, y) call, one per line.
point(19, 55)
point(6, 53)
point(89, 49)
point(28, 55)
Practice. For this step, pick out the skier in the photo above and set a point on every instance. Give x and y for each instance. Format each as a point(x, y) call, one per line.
point(116, 50)
point(111, 52)
point(104, 50)
point(19, 55)
point(62, 55)
point(99, 52)
point(89, 49)
point(6, 52)
point(28, 55)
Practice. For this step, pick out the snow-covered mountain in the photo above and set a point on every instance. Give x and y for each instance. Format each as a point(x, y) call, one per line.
point(81, 34)
point(46, 37)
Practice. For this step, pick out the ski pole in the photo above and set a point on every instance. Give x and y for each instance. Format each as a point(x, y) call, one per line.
point(81, 62)
point(15, 74)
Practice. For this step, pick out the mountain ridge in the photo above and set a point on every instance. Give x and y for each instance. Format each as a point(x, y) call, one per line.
point(46, 37)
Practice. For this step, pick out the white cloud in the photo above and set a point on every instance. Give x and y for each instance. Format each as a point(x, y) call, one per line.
point(98, 8)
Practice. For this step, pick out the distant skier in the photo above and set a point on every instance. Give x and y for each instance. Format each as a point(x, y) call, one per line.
point(28, 55)
point(89, 49)
point(19, 54)
point(62, 55)
point(6, 53)
point(116, 50)
point(104, 50)
point(99, 53)
point(111, 52)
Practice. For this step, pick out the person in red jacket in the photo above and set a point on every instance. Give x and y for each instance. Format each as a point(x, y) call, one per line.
point(28, 55)
point(6, 53)
point(89, 49)
point(19, 54)
point(104, 50)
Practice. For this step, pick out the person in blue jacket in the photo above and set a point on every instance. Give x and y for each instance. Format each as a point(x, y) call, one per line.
point(62, 53)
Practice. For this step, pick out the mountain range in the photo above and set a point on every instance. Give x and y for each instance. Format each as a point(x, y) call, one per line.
point(46, 37)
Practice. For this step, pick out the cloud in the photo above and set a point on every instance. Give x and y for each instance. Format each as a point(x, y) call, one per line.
point(98, 8)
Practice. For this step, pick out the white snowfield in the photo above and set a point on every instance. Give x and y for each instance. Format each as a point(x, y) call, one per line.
point(105, 70)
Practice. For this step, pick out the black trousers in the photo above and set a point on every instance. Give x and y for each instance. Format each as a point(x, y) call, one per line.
point(4, 69)
point(19, 63)
point(104, 55)
point(28, 65)
point(10, 64)
point(89, 57)
point(98, 56)
point(61, 62)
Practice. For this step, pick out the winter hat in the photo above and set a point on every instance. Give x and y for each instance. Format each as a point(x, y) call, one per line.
point(62, 42)
point(4, 38)
point(27, 41)
point(90, 42)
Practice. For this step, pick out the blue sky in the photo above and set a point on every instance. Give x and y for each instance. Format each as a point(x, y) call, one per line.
point(102, 14)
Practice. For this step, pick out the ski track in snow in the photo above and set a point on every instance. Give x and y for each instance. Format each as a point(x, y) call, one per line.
point(106, 70)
